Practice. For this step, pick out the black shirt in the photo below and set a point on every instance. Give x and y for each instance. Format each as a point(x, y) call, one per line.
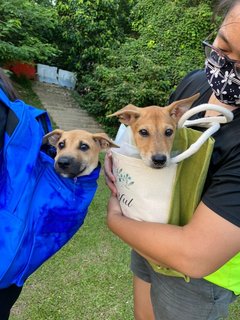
point(222, 188)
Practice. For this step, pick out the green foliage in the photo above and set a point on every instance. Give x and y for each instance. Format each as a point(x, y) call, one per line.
point(111, 88)
point(87, 29)
point(147, 67)
point(25, 30)
point(124, 51)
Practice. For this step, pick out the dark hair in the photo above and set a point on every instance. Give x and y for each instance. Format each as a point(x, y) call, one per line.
point(7, 87)
point(223, 7)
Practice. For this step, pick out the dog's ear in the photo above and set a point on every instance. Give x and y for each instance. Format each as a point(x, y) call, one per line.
point(53, 137)
point(127, 115)
point(104, 141)
point(178, 108)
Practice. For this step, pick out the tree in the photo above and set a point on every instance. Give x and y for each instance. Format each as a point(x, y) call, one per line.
point(88, 29)
point(145, 69)
point(26, 28)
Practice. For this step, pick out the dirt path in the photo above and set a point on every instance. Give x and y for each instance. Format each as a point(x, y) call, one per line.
point(63, 108)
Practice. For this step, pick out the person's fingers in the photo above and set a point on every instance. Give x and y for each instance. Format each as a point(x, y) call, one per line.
point(109, 177)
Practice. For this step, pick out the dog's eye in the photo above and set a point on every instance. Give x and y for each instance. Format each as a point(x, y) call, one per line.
point(84, 147)
point(168, 132)
point(61, 145)
point(143, 133)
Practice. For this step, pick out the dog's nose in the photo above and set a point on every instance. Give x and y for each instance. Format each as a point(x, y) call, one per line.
point(159, 160)
point(64, 162)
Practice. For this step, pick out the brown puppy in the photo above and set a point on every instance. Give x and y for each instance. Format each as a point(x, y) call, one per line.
point(154, 128)
point(77, 151)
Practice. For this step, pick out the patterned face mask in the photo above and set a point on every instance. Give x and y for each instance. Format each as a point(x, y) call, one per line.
point(224, 83)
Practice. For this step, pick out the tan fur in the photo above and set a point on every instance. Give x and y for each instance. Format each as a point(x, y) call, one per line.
point(157, 122)
point(77, 150)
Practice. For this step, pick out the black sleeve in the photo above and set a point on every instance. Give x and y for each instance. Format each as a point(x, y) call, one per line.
point(223, 193)
point(193, 83)
point(222, 188)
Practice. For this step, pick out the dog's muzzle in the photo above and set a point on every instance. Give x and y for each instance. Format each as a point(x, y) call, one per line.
point(159, 161)
point(69, 167)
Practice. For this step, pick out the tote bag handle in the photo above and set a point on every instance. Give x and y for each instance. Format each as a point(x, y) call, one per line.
point(212, 123)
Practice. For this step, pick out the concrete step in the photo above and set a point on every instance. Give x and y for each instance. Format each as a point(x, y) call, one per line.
point(63, 108)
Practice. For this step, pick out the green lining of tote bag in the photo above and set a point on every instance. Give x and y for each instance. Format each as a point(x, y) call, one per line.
point(190, 178)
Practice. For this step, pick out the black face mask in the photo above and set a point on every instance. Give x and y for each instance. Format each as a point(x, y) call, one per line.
point(224, 83)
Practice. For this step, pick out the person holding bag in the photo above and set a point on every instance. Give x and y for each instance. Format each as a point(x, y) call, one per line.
point(206, 249)
point(8, 296)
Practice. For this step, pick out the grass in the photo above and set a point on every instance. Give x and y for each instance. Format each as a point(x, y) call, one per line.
point(24, 89)
point(89, 279)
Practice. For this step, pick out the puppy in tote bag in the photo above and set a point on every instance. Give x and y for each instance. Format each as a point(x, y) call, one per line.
point(171, 194)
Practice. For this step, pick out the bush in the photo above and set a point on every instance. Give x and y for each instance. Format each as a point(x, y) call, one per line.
point(146, 69)
point(26, 30)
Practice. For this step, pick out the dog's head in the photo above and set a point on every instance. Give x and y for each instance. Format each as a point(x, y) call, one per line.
point(77, 150)
point(154, 128)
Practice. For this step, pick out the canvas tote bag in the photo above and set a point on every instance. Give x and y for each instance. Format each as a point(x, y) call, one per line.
point(171, 194)
point(162, 195)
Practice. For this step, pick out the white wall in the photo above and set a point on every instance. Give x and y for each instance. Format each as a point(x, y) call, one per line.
point(57, 76)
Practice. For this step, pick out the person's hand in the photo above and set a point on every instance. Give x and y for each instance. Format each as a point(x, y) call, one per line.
point(109, 177)
point(114, 211)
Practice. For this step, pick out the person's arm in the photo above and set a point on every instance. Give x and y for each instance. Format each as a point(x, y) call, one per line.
point(197, 249)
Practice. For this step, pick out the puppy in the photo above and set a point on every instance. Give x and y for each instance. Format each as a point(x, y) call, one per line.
point(77, 151)
point(153, 129)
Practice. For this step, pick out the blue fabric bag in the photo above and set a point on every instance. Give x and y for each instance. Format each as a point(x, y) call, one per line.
point(39, 210)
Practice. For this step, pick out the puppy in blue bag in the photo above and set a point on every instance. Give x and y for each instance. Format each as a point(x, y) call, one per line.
point(47, 182)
